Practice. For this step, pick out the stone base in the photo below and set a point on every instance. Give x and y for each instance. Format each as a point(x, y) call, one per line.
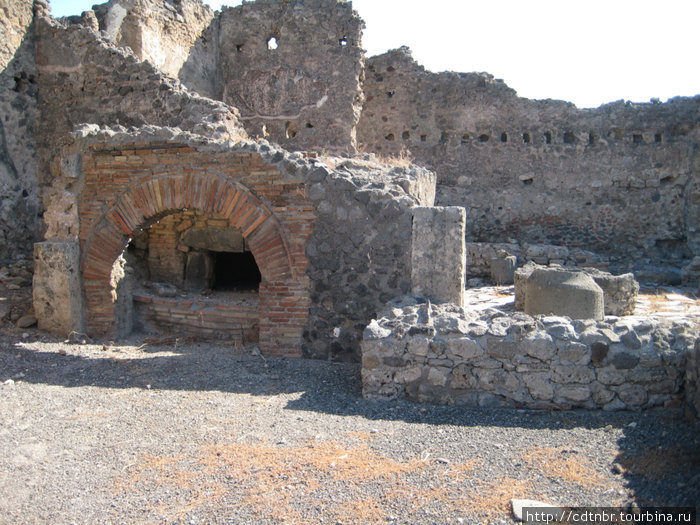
point(619, 291)
point(57, 293)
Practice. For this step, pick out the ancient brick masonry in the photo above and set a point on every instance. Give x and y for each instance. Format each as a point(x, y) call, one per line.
point(332, 243)
point(128, 185)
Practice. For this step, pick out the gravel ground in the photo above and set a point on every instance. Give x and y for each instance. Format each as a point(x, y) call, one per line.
point(142, 432)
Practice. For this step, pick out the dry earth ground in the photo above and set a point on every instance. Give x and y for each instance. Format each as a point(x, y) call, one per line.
point(180, 432)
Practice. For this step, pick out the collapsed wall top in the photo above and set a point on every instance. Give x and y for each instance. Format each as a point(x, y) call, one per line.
point(292, 68)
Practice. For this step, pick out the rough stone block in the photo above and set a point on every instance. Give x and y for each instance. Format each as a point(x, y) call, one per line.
point(57, 293)
point(439, 255)
point(214, 239)
point(503, 269)
point(199, 272)
point(520, 277)
point(539, 385)
point(539, 345)
point(577, 393)
point(619, 291)
point(567, 374)
point(560, 292)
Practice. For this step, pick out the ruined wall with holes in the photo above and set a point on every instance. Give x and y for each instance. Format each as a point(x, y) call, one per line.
point(18, 110)
point(293, 69)
point(331, 237)
point(620, 180)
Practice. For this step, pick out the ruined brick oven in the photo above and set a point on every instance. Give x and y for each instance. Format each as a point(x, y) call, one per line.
point(187, 221)
point(177, 234)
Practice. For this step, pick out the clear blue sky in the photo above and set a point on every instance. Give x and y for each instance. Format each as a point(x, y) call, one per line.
point(585, 51)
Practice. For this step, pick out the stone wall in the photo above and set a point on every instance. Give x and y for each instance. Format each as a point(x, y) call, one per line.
point(692, 384)
point(162, 32)
point(480, 254)
point(360, 250)
point(292, 68)
point(443, 354)
point(18, 107)
point(620, 180)
point(84, 78)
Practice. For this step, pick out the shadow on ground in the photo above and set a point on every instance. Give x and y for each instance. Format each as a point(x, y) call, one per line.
point(658, 457)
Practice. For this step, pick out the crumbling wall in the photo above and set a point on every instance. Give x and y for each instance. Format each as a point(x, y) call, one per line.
point(162, 32)
point(292, 68)
point(18, 107)
point(86, 79)
point(360, 250)
point(619, 180)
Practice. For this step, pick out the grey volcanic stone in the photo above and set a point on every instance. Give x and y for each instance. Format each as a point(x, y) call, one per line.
point(520, 277)
point(56, 282)
point(439, 253)
point(503, 269)
point(619, 291)
point(559, 292)
point(214, 239)
point(518, 360)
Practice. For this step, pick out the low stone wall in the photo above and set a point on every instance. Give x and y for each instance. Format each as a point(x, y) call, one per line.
point(479, 255)
point(443, 354)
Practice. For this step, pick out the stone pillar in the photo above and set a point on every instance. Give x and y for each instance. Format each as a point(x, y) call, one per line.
point(439, 256)
point(57, 293)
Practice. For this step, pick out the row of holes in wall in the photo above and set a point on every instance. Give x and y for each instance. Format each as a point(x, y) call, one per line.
point(568, 137)
point(273, 43)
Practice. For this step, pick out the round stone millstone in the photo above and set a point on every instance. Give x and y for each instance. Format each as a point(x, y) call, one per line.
point(560, 292)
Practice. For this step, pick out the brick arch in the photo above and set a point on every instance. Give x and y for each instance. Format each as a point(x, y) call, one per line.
point(149, 199)
point(201, 192)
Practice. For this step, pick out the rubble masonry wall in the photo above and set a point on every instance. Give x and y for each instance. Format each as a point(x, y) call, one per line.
point(621, 180)
point(18, 106)
point(442, 354)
